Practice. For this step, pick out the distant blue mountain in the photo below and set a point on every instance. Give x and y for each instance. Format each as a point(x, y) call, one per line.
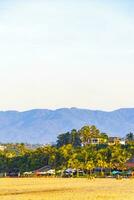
point(43, 126)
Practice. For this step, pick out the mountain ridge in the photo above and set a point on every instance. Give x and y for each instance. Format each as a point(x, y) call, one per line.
point(44, 125)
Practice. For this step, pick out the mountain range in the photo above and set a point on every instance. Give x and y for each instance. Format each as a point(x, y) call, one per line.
point(43, 126)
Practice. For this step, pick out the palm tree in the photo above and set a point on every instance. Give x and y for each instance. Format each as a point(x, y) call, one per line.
point(90, 166)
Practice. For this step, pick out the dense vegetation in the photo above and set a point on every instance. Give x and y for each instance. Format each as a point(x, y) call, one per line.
point(72, 150)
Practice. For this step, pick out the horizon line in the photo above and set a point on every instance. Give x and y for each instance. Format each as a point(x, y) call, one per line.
point(69, 108)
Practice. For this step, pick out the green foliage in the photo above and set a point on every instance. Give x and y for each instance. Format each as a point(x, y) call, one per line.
point(130, 138)
point(72, 138)
point(68, 153)
point(87, 133)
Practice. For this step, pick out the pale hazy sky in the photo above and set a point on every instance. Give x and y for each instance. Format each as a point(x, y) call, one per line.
point(66, 53)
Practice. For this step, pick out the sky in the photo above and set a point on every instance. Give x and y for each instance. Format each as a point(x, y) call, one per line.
point(58, 53)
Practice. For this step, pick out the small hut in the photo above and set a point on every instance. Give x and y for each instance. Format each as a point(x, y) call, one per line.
point(130, 163)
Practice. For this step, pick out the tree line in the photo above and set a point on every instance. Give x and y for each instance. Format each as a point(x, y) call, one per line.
point(73, 149)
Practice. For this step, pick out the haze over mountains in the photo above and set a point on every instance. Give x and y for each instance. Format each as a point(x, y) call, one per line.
point(43, 126)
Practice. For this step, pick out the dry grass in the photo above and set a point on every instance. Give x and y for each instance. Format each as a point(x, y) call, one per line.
point(66, 189)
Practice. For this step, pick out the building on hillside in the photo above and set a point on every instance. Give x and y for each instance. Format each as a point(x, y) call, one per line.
point(95, 141)
point(2, 147)
point(116, 140)
point(113, 140)
point(122, 141)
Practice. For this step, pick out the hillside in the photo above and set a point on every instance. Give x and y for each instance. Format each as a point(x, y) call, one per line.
point(43, 126)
